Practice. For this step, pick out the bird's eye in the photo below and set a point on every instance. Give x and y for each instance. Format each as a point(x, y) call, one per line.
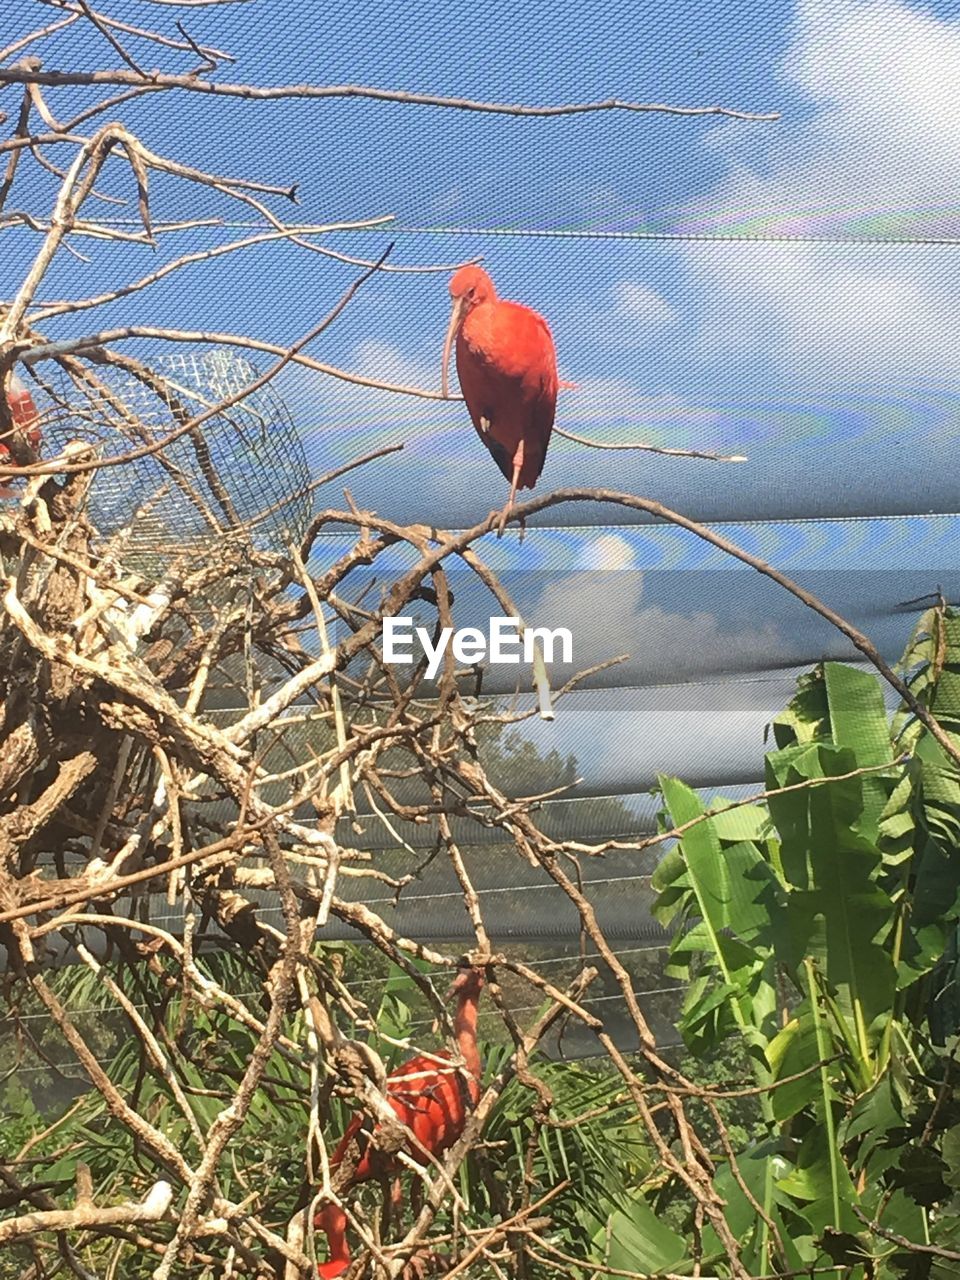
point(471, 293)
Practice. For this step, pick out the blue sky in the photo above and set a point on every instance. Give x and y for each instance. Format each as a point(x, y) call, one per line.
point(782, 349)
point(769, 289)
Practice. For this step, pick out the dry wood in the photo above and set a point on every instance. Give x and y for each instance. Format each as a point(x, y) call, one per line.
point(120, 777)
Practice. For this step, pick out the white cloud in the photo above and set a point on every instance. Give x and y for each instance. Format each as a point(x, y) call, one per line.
point(885, 136)
point(633, 317)
point(887, 72)
point(607, 551)
point(375, 358)
point(881, 152)
point(637, 301)
point(619, 402)
point(320, 401)
point(627, 738)
point(448, 200)
point(824, 313)
point(607, 617)
point(618, 409)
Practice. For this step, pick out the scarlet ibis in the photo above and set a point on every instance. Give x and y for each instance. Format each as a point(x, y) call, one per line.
point(431, 1100)
point(507, 368)
point(25, 416)
point(333, 1221)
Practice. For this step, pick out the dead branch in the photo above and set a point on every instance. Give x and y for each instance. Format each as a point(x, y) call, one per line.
point(183, 723)
point(152, 1208)
point(260, 93)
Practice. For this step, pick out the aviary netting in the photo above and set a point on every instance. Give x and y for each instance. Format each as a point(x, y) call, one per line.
point(162, 549)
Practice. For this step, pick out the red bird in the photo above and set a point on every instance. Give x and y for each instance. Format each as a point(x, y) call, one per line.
point(432, 1101)
point(25, 416)
point(507, 367)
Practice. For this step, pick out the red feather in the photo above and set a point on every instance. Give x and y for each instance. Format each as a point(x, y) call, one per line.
point(431, 1100)
point(508, 374)
point(507, 367)
point(24, 413)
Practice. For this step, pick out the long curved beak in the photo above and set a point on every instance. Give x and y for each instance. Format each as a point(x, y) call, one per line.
point(456, 320)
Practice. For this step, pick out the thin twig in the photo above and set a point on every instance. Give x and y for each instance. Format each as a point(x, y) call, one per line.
point(262, 93)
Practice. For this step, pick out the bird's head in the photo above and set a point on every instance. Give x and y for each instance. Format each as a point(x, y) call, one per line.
point(473, 285)
point(469, 287)
point(468, 983)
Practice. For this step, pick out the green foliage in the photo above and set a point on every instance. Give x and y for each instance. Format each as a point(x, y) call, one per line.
point(583, 1139)
point(817, 936)
point(21, 1119)
point(818, 928)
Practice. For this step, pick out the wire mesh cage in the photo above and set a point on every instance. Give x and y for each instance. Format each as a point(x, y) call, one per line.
point(241, 475)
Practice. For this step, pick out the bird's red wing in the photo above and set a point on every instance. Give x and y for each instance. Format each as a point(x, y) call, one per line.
point(543, 412)
point(508, 374)
point(427, 1099)
point(541, 385)
point(430, 1101)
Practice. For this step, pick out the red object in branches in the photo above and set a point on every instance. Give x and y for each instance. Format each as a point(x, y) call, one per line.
point(25, 416)
point(431, 1100)
point(333, 1221)
point(507, 367)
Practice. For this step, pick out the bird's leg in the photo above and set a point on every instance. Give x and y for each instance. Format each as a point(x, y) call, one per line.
point(416, 1196)
point(389, 1191)
point(517, 468)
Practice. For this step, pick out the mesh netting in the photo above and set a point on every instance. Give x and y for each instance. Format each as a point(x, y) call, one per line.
point(242, 473)
point(786, 290)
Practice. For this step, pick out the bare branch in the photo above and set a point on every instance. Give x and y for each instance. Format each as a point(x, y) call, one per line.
point(262, 93)
point(152, 1208)
point(648, 448)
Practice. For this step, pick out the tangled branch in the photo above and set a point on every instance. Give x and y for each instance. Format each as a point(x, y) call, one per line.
point(193, 729)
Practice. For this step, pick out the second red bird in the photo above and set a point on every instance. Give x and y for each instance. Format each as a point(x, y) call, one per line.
point(430, 1098)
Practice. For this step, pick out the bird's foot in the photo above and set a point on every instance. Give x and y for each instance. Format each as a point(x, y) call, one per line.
point(501, 519)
